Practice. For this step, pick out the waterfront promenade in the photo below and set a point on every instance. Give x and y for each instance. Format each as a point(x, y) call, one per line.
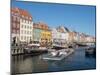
point(20, 50)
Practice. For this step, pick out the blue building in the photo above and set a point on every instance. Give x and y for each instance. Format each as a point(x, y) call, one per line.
point(36, 32)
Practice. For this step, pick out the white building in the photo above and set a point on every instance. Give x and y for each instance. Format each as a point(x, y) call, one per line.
point(23, 25)
point(26, 29)
point(64, 33)
point(59, 36)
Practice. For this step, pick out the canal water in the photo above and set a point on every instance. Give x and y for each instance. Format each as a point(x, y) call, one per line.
point(35, 64)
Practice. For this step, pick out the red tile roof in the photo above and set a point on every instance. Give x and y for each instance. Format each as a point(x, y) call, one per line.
point(41, 25)
point(21, 12)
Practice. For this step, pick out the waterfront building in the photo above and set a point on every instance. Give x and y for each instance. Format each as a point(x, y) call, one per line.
point(41, 33)
point(15, 26)
point(64, 33)
point(23, 25)
point(93, 39)
point(72, 36)
point(90, 39)
point(60, 36)
point(75, 36)
point(82, 37)
point(26, 24)
point(36, 34)
point(45, 37)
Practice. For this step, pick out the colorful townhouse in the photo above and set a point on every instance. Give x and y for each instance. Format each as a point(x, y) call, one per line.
point(15, 26)
point(42, 34)
point(36, 34)
point(82, 37)
point(73, 37)
point(21, 25)
point(60, 36)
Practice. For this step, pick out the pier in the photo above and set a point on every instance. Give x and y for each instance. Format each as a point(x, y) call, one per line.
point(16, 50)
point(19, 50)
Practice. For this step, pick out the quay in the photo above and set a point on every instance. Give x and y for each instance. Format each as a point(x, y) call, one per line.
point(17, 50)
point(20, 50)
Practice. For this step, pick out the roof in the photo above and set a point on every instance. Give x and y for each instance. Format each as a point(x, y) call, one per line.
point(21, 12)
point(66, 29)
point(63, 29)
point(41, 25)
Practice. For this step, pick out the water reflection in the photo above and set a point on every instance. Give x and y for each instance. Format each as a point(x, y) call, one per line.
point(32, 64)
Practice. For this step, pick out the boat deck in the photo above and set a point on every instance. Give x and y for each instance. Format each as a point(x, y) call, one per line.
point(49, 57)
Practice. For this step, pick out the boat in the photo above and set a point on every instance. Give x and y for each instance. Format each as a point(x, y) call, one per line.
point(90, 50)
point(58, 55)
point(34, 48)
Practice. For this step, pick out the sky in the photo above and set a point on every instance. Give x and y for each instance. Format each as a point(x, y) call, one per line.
point(80, 18)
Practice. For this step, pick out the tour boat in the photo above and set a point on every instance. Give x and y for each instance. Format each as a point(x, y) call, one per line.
point(58, 55)
point(34, 48)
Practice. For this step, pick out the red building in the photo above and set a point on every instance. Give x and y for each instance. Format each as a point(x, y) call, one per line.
point(15, 24)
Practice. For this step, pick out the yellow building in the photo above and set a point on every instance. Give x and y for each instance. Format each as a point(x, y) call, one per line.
point(46, 38)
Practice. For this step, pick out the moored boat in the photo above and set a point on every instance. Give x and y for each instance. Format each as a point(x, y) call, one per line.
point(34, 48)
point(58, 55)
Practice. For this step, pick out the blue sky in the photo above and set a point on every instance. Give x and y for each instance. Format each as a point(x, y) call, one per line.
point(80, 18)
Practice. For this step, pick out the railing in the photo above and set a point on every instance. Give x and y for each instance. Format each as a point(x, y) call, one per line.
point(17, 50)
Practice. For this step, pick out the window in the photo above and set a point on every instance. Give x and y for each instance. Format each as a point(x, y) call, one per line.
point(30, 32)
point(21, 37)
point(22, 20)
point(13, 31)
point(17, 25)
point(30, 27)
point(27, 38)
point(25, 32)
point(22, 26)
point(17, 31)
point(14, 26)
point(14, 18)
point(30, 38)
point(25, 26)
point(22, 31)
point(24, 37)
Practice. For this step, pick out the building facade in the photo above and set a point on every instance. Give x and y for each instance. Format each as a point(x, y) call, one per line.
point(36, 34)
point(60, 36)
point(26, 25)
point(42, 34)
point(82, 37)
point(71, 37)
point(45, 38)
point(64, 32)
point(23, 25)
point(15, 26)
